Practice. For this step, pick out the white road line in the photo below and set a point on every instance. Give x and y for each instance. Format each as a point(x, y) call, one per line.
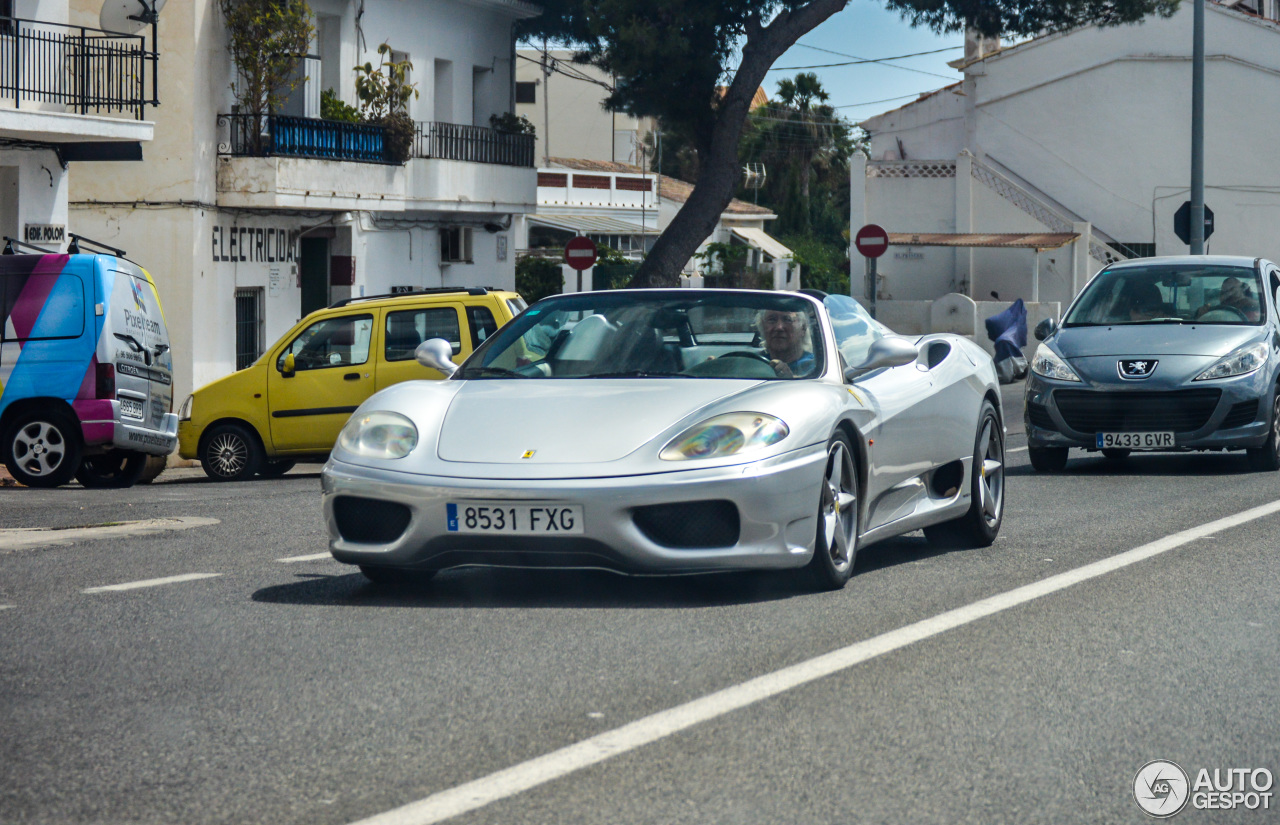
point(7, 606)
point(24, 538)
point(1015, 450)
point(543, 769)
point(312, 557)
point(185, 577)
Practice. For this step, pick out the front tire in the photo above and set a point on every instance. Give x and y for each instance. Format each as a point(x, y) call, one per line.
point(980, 524)
point(836, 545)
point(42, 449)
point(1048, 459)
point(115, 469)
point(230, 452)
point(1267, 457)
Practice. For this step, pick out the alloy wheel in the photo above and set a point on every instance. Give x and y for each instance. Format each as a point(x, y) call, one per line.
point(839, 500)
point(991, 475)
point(39, 448)
point(228, 453)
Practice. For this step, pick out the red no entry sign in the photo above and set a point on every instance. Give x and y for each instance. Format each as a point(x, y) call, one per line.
point(580, 253)
point(872, 241)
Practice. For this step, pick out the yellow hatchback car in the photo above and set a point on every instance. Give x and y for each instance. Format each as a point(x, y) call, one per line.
point(292, 402)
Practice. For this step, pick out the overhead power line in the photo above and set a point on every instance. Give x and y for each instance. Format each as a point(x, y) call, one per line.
point(858, 61)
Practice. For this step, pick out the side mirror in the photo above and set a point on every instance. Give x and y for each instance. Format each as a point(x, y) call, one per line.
point(288, 368)
point(437, 354)
point(886, 352)
point(1045, 328)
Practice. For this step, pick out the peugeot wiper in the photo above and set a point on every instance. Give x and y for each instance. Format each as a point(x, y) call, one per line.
point(1160, 321)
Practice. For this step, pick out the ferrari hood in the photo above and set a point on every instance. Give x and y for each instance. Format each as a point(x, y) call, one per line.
point(571, 421)
point(1153, 340)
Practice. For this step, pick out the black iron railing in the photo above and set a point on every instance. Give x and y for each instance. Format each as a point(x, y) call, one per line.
point(84, 69)
point(302, 137)
point(305, 137)
point(453, 141)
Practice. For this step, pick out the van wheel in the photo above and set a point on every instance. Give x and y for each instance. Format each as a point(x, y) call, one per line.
point(42, 449)
point(115, 469)
point(230, 452)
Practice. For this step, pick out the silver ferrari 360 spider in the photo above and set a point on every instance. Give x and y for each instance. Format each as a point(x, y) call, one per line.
point(672, 431)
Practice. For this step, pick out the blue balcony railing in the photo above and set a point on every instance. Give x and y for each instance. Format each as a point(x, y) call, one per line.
point(304, 137)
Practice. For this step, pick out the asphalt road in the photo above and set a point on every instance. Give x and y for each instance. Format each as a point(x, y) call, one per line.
point(294, 692)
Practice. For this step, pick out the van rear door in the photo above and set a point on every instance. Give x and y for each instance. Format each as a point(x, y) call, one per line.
point(139, 341)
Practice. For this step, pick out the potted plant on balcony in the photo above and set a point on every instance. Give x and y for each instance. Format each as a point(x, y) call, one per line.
point(266, 39)
point(384, 94)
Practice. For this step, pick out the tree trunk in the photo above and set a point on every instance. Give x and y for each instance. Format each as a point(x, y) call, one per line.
point(718, 170)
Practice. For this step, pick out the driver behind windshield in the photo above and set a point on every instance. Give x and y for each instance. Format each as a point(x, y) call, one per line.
point(785, 335)
point(1233, 295)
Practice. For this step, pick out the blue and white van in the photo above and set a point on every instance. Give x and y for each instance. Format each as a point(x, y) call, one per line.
point(86, 375)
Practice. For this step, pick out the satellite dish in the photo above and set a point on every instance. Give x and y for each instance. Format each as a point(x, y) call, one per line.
point(128, 16)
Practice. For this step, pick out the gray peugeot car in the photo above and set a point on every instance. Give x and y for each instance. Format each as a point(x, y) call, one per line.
point(1168, 354)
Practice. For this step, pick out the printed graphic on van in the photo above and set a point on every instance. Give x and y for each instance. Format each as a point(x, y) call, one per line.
point(82, 335)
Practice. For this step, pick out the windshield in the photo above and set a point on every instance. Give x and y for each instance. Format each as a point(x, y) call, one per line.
point(635, 334)
point(1170, 294)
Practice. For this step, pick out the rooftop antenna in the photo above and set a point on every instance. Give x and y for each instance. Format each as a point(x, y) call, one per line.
point(754, 176)
point(130, 17)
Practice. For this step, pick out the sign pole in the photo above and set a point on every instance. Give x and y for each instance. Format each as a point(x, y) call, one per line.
point(1197, 131)
point(871, 285)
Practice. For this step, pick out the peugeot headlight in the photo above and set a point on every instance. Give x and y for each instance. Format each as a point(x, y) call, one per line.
point(379, 434)
point(1244, 360)
point(184, 413)
point(1046, 362)
point(726, 435)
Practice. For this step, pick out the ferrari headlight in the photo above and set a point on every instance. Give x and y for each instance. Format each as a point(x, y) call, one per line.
point(726, 435)
point(184, 413)
point(379, 434)
point(1244, 360)
point(1046, 362)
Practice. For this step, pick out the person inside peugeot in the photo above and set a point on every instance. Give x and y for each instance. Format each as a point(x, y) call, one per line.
point(785, 335)
point(1233, 296)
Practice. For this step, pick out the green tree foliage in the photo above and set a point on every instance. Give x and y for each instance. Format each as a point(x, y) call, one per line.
point(538, 277)
point(332, 108)
point(266, 39)
point(669, 57)
point(384, 93)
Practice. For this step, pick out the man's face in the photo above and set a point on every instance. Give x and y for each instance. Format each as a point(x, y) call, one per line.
point(782, 332)
point(1232, 291)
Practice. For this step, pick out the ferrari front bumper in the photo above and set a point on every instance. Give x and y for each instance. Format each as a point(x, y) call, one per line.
point(776, 502)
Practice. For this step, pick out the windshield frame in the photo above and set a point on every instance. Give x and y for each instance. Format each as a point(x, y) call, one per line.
point(632, 304)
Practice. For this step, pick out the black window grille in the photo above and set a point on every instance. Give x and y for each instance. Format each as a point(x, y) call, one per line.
point(248, 326)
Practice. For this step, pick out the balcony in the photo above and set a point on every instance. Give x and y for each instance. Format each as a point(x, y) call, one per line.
point(67, 84)
point(285, 162)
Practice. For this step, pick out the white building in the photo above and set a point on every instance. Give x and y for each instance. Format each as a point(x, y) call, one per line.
point(564, 102)
point(625, 207)
point(67, 94)
point(1085, 132)
point(244, 237)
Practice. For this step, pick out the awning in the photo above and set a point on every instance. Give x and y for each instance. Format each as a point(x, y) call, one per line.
point(595, 224)
point(997, 240)
point(762, 240)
